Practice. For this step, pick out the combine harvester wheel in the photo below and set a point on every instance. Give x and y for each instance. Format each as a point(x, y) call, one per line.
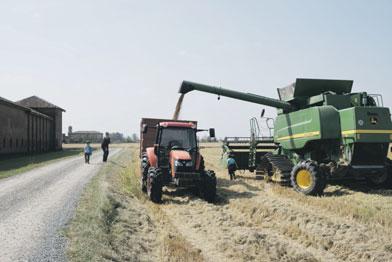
point(382, 181)
point(308, 179)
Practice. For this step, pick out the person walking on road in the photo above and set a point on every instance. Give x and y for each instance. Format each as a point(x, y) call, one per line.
point(88, 150)
point(105, 147)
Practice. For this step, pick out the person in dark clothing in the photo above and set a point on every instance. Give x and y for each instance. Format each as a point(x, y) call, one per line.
point(105, 147)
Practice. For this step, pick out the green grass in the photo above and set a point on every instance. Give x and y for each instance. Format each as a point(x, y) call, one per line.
point(89, 232)
point(14, 165)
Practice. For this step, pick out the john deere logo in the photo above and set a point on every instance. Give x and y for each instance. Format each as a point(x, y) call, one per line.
point(374, 120)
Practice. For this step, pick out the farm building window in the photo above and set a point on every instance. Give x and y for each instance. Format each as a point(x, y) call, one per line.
point(10, 142)
point(4, 144)
point(21, 143)
point(17, 143)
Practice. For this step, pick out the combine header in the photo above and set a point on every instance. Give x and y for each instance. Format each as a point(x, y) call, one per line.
point(322, 132)
point(248, 151)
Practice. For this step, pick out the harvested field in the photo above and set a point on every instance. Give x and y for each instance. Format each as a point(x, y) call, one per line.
point(251, 221)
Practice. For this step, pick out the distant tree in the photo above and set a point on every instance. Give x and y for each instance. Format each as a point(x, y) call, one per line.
point(135, 137)
point(204, 139)
point(117, 137)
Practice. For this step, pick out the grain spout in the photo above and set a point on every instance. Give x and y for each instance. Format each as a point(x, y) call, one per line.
point(177, 111)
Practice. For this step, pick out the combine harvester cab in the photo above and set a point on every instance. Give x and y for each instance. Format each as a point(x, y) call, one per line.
point(323, 132)
point(170, 156)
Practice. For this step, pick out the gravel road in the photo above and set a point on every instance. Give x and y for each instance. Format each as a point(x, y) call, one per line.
point(37, 205)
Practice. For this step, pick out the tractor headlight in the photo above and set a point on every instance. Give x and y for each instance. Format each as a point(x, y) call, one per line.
point(177, 163)
point(183, 163)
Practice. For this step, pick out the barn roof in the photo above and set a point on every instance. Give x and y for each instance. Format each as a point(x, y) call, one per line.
point(10, 103)
point(21, 107)
point(37, 102)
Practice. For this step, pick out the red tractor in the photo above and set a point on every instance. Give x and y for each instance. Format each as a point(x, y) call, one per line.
point(170, 156)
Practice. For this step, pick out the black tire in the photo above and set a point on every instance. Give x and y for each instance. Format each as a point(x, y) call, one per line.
point(154, 185)
point(144, 167)
point(307, 178)
point(379, 181)
point(388, 183)
point(202, 166)
point(207, 187)
point(143, 184)
point(382, 181)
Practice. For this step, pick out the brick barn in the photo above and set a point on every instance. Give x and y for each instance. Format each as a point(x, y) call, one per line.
point(31, 125)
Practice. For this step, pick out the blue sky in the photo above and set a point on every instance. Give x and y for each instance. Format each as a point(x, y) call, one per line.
point(109, 63)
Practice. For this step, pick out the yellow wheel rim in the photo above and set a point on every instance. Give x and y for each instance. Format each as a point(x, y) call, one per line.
point(304, 179)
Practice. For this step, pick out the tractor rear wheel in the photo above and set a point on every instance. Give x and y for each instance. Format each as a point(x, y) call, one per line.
point(207, 187)
point(154, 185)
point(308, 179)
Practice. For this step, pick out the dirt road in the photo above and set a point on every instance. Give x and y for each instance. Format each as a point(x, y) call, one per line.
point(35, 207)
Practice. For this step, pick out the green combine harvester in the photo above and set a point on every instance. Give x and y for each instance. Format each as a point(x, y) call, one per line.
point(322, 132)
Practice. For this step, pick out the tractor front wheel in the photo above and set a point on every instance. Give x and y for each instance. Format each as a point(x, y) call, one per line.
point(207, 187)
point(144, 167)
point(154, 185)
point(143, 183)
point(308, 179)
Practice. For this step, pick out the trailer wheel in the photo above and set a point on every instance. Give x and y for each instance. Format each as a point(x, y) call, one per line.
point(307, 178)
point(154, 185)
point(207, 187)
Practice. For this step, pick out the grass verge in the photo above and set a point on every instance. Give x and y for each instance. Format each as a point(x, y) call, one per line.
point(89, 231)
point(20, 164)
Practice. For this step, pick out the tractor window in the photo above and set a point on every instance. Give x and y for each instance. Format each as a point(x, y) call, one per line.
point(180, 137)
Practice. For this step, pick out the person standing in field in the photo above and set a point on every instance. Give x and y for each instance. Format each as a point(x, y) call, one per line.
point(88, 150)
point(231, 166)
point(105, 147)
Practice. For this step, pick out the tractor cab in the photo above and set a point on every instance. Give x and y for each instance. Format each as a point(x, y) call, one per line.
point(176, 145)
